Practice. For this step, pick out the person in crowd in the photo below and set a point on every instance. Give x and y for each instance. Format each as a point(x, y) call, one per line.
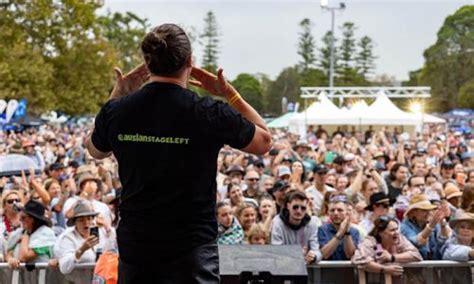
point(236, 174)
point(398, 177)
point(230, 231)
point(279, 191)
point(10, 219)
point(447, 171)
point(385, 249)
point(252, 190)
point(34, 241)
point(236, 197)
point(319, 188)
point(297, 177)
point(266, 212)
point(379, 206)
point(247, 216)
point(28, 146)
point(425, 230)
point(467, 199)
point(460, 247)
point(337, 239)
point(284, 173)
point(294, 226)
point(453, 195)
point(79, 243)
point(258, 235)
point(268, 184)
point(88, 187)
point(416, 186)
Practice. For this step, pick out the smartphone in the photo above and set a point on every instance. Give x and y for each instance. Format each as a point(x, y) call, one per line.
point(94, 231)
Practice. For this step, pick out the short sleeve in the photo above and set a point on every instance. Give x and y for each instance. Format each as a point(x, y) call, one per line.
point(323, 236)
point(99, 136)
point(229, 126)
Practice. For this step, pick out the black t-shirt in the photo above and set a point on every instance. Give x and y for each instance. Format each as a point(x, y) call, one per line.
point(166, 140)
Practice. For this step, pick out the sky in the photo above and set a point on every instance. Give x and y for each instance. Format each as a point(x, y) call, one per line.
point(261, 36)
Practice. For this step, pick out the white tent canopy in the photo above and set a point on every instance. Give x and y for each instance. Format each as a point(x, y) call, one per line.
point(383, 112)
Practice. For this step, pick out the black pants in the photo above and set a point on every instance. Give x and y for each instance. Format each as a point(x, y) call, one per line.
point(201, 265)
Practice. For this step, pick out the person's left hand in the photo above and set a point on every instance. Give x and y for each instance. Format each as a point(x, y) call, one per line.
point(53, 263)
point(132, 81)
point(216, 85)
point(385, 256)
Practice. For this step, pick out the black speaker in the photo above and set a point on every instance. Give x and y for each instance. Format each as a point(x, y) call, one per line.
point(262, 264)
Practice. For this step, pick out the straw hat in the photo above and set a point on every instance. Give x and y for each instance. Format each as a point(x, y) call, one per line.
point(420, 201)
point(461, 217)
point(451, 191)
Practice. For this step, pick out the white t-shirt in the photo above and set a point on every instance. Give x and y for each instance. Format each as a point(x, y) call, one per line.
point(317, 197)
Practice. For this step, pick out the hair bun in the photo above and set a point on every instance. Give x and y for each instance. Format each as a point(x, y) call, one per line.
point(154, 41)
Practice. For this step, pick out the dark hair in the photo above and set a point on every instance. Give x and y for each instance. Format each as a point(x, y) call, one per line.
point(166, 49)
point(467, 197)
point(295, 194)
point(414, 176)
point(231, 185)
point(380, 224)
point(37, 223)
point(394, 170)
point(303, 175)
point(220, 205)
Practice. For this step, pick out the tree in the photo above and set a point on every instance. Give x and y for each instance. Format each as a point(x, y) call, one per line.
point(449, 63)
point(286, 85)
point(125, 33)
point(365, 59)
point(347, 51)
point(466, 95)
point(306, 45)
point(209, 39)
point(325, 54)
point(249, 88)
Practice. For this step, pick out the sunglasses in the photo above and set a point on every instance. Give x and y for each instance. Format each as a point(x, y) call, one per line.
point(385, 219)
point(11, 201)
point(253, 179)
point(296, 207)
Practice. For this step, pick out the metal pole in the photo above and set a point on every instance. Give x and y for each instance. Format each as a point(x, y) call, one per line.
point(331, 65)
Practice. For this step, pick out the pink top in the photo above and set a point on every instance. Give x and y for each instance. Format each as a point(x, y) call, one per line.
point(365, 252)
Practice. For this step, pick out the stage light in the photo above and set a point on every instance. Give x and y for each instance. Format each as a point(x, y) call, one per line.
point(416, 107)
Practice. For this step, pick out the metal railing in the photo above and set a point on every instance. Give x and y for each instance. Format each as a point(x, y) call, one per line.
point(432, 271)
point(42, 273)
point(322, 272)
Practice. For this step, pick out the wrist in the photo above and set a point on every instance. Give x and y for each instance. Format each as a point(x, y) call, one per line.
point(339, 237)
point(393, 259)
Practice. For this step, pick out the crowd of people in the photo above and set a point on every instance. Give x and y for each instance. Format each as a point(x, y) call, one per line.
point(374, 197)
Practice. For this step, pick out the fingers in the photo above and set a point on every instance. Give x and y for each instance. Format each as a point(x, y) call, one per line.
point(118, 74)
point(195, 83)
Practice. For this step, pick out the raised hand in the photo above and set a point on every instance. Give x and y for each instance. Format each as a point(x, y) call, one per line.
point(216, 85)
point(132, 81)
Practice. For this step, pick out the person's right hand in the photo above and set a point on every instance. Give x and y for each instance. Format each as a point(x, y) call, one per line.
point(437, 217)
point(90, 242)
point(13, 263)
point(343, 227)
point(394, 270)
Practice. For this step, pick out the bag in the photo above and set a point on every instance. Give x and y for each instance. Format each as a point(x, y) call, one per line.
point(106, 269)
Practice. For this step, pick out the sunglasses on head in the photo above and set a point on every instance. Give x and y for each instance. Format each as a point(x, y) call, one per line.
point(296, 207)
point(11, 201)
point(338, 198)
point(385, 219)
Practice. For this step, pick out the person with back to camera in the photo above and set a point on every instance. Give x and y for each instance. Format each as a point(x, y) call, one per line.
point(163, 133)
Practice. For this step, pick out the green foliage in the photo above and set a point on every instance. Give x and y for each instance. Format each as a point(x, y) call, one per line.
point(306, 45)
point(286, 85)
point(124, 32)
point(209, 39)
point(449, 63)
point(466, 95)
point(249, 88)
point(346, 66)
point(365, 58)
point(60, 55)
point(325, 54)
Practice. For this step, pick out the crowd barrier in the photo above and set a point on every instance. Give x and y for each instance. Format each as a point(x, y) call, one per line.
point(324, 272)
point(429, 272)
